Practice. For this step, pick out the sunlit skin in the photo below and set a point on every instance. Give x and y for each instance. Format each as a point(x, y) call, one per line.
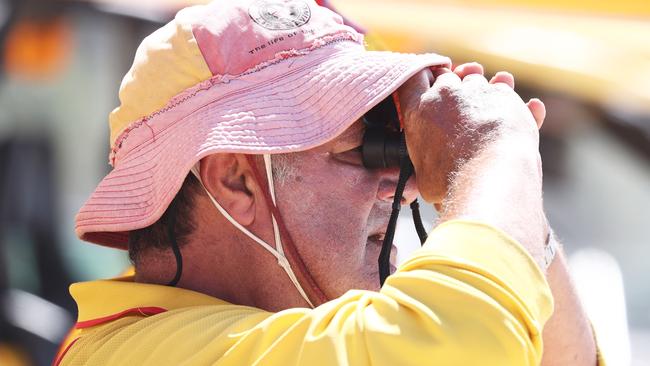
point(346, 207)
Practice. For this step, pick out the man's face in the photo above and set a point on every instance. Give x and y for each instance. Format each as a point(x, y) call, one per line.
point(337, 211)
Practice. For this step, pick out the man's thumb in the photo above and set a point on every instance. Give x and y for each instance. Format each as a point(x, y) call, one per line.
point(410, 92)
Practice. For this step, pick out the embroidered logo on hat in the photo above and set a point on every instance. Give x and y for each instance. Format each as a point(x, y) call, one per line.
point(279, 14)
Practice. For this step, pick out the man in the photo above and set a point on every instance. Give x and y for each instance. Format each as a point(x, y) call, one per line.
point(254, 228)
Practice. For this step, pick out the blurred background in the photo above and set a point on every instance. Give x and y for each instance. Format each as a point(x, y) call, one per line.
point(61, 63)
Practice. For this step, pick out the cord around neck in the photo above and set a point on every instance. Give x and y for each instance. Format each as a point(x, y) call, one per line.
point(279, 230)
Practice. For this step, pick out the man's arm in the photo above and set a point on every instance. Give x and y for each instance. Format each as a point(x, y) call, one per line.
point(568, 337)
point(514, 205)
point(487, 168)
point(509, 196)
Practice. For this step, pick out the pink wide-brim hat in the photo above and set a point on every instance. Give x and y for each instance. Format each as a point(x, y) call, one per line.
point(253, 77)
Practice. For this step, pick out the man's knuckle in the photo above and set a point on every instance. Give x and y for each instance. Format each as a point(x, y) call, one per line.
point(446, 91)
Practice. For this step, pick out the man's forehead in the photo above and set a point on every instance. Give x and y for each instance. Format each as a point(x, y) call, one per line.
point(354, 132)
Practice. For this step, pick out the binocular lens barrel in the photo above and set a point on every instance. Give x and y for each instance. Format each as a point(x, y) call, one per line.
point(381, 149)
point(382, 140)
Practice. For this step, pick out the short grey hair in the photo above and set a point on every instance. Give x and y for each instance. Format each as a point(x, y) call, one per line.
point(182, 206)
point(283, 168)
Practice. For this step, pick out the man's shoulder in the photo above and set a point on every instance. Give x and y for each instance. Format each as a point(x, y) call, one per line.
point(112, 311)
point(105, 300)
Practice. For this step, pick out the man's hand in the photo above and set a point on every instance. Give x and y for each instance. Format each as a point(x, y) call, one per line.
point(450, 116)
point(474, 144)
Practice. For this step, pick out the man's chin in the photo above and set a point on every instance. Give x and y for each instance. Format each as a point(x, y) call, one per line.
point(374, 249)
point(371, 281)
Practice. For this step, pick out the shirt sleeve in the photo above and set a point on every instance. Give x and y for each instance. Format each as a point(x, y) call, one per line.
point(471, 296)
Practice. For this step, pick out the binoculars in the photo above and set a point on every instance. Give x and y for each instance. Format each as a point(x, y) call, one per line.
point(384, 146)
point(383, 142)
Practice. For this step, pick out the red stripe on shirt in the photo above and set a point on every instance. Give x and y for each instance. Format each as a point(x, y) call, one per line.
point(144, 311)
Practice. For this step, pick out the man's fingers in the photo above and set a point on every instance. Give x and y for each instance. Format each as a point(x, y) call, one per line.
point(475, 78)
point(468, 69)
point(503, 77)
point(538, 109)
point(444, 76)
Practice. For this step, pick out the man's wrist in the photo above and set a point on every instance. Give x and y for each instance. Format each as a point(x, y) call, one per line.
point(502, 186)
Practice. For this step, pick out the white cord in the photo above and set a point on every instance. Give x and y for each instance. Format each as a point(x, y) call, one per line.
point(279, 253)
point(269, 177)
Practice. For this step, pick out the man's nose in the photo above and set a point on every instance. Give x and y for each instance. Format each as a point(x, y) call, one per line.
point(388, 185)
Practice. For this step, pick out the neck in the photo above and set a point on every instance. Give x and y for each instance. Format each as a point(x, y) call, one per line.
point(223, 270)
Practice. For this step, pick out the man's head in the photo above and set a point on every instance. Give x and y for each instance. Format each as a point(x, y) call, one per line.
point(335, 210)
point(233, 79)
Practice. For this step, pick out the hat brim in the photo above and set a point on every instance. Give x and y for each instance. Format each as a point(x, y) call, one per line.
point(293, 105)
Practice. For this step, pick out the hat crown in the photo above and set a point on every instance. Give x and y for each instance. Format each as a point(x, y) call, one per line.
point(235, 36)
point(222, 38)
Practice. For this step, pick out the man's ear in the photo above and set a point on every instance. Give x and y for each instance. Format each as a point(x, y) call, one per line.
point(229, 179)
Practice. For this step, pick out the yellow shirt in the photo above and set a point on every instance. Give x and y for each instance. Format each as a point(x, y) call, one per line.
point(471, 296)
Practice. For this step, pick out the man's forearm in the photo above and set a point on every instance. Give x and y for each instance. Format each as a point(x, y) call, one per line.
point(506, 193)
point(502, 187)
point(568, 337)
point(474, 145)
